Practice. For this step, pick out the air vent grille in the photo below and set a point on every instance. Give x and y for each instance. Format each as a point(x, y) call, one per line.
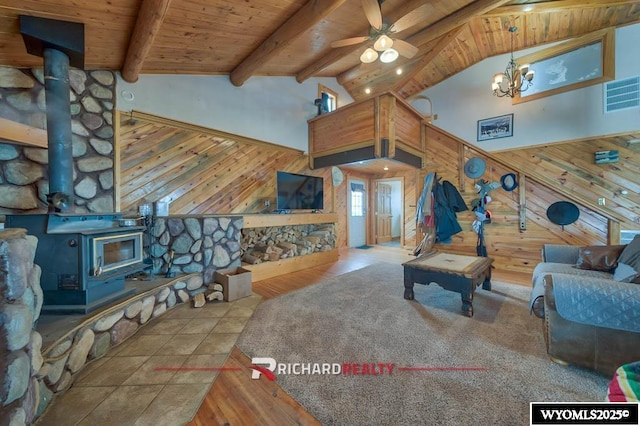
point(622, 94)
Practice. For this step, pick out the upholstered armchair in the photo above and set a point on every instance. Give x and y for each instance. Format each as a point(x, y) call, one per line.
point(589, 318)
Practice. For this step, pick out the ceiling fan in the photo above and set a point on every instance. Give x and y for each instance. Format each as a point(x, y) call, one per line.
point(380, 33)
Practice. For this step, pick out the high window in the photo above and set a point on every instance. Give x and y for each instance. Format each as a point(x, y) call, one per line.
point(329, 98)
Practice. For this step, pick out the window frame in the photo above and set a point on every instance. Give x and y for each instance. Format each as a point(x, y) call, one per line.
point(332, 94)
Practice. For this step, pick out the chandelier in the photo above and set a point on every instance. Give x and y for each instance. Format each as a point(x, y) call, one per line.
point(515, 79)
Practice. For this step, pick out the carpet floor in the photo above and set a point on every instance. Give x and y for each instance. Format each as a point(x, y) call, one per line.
point(448, 369)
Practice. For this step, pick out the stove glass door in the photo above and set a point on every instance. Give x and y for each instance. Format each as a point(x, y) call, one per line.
point(117, 251)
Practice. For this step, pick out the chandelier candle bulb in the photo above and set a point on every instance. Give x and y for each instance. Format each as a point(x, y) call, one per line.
point(529, 75)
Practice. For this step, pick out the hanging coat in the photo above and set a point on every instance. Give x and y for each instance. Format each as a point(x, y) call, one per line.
point(454, 199)
point(445, 218)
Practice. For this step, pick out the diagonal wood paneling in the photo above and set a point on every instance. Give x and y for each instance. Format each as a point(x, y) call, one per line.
point(201, 172)
point(569, 168)
point(553, 173)
point(208, 172)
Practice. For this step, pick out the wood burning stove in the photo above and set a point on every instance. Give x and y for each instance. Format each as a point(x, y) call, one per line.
point(84, 258)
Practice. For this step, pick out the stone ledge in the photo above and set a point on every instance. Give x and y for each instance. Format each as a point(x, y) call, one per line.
point(106, 329)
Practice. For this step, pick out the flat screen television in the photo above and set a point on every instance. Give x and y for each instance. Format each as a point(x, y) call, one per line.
point(299, 192)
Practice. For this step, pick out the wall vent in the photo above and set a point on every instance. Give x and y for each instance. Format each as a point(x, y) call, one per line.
point(626, 235)
point(622, 94)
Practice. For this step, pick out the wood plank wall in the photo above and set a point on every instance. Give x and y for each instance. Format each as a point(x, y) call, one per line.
point(412, 187)
point(353, 127)
point(408, 128)
point(570, 169)
point(202, 172)
point(550, 172)
point(207, 173)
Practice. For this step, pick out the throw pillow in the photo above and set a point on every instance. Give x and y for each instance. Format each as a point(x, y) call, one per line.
point(599, 258)
point(628, 269)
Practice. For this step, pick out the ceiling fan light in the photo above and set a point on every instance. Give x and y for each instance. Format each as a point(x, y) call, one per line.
point(383, 43)
point(369, 56)
point(389, 55)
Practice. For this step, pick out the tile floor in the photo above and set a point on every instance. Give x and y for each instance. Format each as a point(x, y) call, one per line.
point(128, 386)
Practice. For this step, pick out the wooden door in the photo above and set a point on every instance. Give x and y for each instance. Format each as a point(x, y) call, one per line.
point(383, 213)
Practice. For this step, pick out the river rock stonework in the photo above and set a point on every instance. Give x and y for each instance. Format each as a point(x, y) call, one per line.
point(23, 170)
point(63, 359)
point(199, 244)
point(281, 242)
point(20, 303)
point(30, 375)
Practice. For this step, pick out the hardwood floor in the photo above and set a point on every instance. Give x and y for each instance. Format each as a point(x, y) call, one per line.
point(236, 399)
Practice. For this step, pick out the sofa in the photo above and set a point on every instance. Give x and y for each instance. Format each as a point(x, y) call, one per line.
point(589, 301)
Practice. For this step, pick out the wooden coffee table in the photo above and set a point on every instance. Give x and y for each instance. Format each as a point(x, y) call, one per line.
point(452, 272)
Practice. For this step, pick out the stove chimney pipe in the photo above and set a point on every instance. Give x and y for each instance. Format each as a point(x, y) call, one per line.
point(56, 86)
point(61, 44)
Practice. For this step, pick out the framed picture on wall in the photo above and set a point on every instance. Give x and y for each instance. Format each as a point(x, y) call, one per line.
point(495, 127)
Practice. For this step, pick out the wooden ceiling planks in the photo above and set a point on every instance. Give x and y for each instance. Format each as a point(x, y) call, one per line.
point(216, 36)
point(490, 37)
point(107, 30)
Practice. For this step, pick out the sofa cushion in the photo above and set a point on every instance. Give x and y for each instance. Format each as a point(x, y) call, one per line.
point(545, 268)
point(599, 258)
point(628, 269)
point(611, 305)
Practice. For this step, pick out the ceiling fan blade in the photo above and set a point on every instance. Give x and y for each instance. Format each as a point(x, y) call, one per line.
point(349, 41)
point(372, 12)
point(407, 50)
point(410, 19)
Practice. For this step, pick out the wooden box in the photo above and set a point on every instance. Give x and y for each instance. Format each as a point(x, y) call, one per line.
point(236, 283)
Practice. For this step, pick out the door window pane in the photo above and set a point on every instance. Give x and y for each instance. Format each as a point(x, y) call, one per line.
point(357, 203)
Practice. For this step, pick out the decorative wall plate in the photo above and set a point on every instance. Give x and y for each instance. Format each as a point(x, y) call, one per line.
point(336, 176)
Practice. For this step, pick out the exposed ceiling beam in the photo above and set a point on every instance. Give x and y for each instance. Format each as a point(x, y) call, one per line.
point(18, 132)
point(424, 61)
point(437, 30)
point(309, 15)
point(555, 6)
point(150, 18)
point(334, 55)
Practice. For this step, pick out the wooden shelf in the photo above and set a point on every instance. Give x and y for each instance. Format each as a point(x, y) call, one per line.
point(265, 220)
point(265, 270)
